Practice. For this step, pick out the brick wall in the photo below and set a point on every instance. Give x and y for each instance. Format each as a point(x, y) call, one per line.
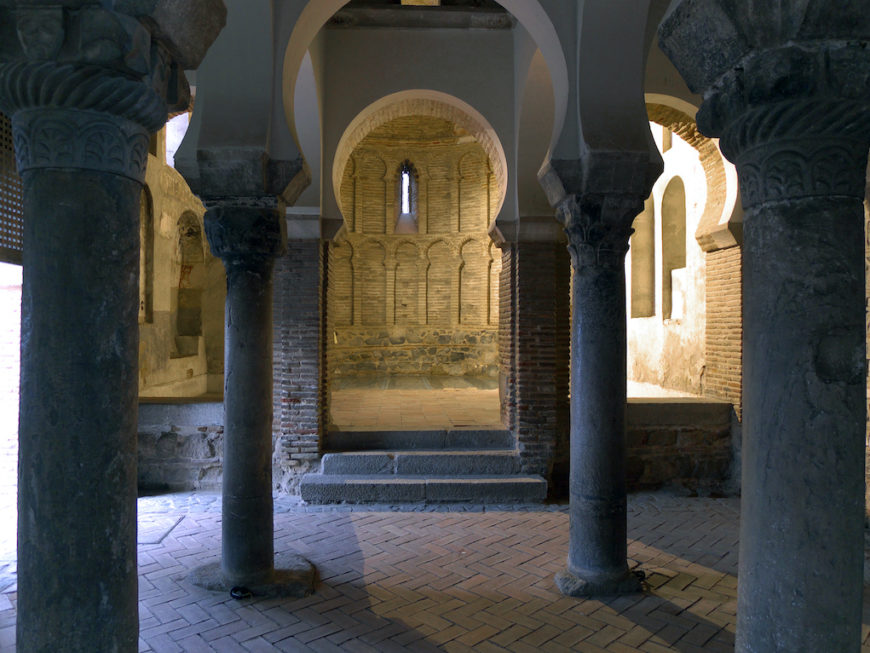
point(724, 348)
point(297, 358)
point(541, 362)
point(413, 293)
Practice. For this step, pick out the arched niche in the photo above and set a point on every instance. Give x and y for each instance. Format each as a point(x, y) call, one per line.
point(643, 262)
point(407, 284)
point(340, 278)
point(439, 284)
point(188, 285)
point(673, 219)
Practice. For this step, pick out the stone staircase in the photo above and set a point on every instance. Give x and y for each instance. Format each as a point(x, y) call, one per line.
point(457, 465)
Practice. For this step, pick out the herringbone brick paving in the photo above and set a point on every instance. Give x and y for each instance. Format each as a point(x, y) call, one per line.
point(449, 578)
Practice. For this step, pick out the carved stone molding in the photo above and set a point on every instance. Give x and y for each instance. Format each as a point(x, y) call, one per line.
point(805, 148)
point(245, 235)
point(598, 228)
point(64, 138)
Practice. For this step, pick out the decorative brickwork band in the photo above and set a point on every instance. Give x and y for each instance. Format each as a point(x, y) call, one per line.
point(598, 228)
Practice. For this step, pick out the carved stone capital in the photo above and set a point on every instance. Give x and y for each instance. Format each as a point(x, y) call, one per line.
point(87, 140)
point(85, 82)
point(792, 109)
point(598, 228)
point(245, 235)
point(796, 149)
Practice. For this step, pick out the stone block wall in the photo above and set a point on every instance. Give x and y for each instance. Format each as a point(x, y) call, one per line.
point(180, 446)
point(416, 291)
point(297, 390)
point(679, 443)
point(723, 375)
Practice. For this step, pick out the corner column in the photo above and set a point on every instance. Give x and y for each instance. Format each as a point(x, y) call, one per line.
point(598, 231)
point(84, 87)
point(793, 114)
point(247, 239)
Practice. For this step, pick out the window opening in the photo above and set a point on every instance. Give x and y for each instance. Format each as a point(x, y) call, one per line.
point(406, 220)
point(406, 191)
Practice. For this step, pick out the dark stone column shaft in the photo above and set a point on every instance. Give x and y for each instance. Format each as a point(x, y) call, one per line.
point(247, 545)
point(248, 238)
point(801, 531)
point(598, 389)
point(785, 88)
point(598, 235)
point(801, 166)
point(78, 404)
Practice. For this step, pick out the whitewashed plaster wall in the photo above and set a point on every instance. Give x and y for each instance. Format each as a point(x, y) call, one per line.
point(669, 351)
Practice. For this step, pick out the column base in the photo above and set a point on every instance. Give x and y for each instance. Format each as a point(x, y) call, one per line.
point(570, 584)
point(293, 576)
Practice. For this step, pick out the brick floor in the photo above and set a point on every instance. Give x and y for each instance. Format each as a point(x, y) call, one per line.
point(455, 578)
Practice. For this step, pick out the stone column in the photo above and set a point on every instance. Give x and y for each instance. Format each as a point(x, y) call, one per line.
point(794, 117)
point(84, 87)
point(247, 239)
point(598, 232)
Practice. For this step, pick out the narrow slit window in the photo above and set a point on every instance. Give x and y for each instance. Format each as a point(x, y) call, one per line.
point(406, 200)
point(406, 191)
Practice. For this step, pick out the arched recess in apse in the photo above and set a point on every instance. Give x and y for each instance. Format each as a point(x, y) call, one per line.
point(473, 193)
point(407, 307)
point(674, 249)
point(370, 198)
point(439, 278)
point(191, 281)
point(146, 257)
point(643, 262)
point(441, 212)
point(341, 283)
point(373, 283)
point(473, 284)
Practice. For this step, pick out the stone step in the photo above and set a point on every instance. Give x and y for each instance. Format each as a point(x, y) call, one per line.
point(383, 488)
point(486, 462)
point(410, 440)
